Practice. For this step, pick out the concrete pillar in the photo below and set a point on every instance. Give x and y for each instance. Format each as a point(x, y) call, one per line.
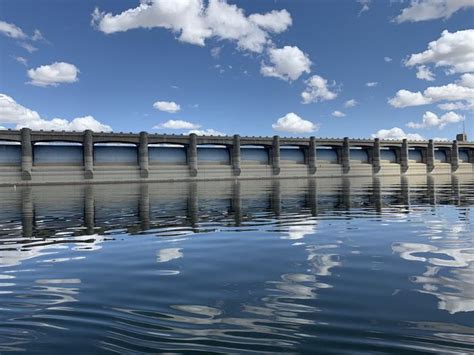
point(376, 156)
point(236, 155)
point(430, 156)
point(89, 209)
point(26, 154)
point(276, 155)
point(27, 212)
point(455, 156)
point(88, 149)
point(430, 190)
point(192, 155)
point(143, 154)
point(346, 155)
point(312, 156)
point(404, 156)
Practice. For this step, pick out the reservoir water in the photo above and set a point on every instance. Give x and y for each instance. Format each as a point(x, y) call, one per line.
point(327, 265)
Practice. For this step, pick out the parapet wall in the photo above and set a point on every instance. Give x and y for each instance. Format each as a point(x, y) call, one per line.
point(38, 157)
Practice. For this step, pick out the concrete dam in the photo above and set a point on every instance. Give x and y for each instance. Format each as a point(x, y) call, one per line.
point(50, 157)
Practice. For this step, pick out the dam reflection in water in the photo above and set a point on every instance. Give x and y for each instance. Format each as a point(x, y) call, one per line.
point(303, 265)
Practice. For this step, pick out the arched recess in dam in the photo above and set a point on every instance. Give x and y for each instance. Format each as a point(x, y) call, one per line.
point(167, 154)
point(292, 155)
point(464, 155)
point(115, 154)
point(441, 155)
point(10, 153)
point(416, 155)
point(213, 155)
point(327, 154)
point(359, 155)
point(58, 153)
point(388, 155)
point(254, 154)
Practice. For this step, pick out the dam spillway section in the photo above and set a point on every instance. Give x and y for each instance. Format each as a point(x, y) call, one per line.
point(49, 157)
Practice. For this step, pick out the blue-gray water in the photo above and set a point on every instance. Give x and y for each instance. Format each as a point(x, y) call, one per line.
point(333, 265)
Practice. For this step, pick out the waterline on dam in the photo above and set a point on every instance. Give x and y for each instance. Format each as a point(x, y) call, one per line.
point(308, 265)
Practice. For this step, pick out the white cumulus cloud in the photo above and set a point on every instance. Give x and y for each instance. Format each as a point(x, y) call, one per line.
point(167, 106)
point(449, 92)
point(423, 10)
point(452, 50)
point(387, 59)
point(177, 124)
point(467, 80)
point(206, 132)
point(53, 74)
point(11, 30)
point(293, 123)
point(396, 133)
point(194, 22)
point(350, 103)
point(371, 84)
point(457, 105)
point(12, 112)
point(287, 63)
point(338, 114)
point(430, 119)
point(424, 73)
point(318, 89)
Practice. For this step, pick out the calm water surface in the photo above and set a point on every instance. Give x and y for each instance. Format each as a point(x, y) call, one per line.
point(328, 265)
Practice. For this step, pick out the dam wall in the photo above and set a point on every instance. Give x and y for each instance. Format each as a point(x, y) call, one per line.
point(40, 157)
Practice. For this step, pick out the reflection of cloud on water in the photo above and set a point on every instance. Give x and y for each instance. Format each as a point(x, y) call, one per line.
point(299, 231)
point(168, 254)
point(15, 254)
point(455, 291)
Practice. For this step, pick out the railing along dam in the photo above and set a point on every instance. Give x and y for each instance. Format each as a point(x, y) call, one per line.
point(40, 157)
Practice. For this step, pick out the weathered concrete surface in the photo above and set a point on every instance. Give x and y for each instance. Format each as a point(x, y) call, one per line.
point(31, 172)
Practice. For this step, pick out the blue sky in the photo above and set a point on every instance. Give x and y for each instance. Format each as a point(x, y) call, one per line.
point(215, 67)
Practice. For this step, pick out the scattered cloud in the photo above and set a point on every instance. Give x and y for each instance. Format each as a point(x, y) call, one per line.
point(12, 112)
point(167, 106)
point(287, 63)
point(450, 92)
point(430, 119)
point(365, 5)
point(424, 10)
point(206, 132)
point(318, 89)
point(457, 105)
point(338, 114)
point(371, 84)
point(29, 48)
point(350, 103)
point(21, 60)
point(37, 36)
point(177, 124)
point(293, 123)
point(424, 73)
point(467, 80)
point(452, 50)
point(397, 133)
point(53, 74)
point(216, 52)
point(193, 22)
point(11, 30)
point(387, 59)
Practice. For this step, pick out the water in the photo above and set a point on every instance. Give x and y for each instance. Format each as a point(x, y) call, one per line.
point(333, 265)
